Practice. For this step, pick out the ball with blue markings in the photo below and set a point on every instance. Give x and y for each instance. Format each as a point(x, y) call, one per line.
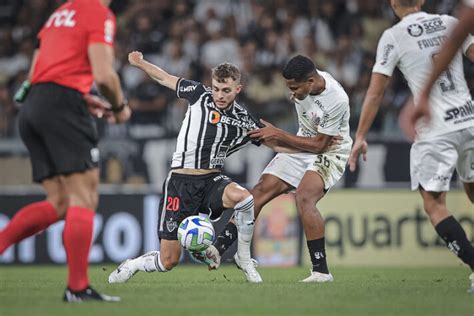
point(196, 233)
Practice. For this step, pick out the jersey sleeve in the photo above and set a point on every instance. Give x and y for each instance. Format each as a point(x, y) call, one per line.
point(387, 55)
point(101, 27)
point(467, 43)
point(189, 90)
point(333, 119)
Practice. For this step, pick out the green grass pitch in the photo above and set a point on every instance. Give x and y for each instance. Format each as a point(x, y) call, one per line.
point(192, 290)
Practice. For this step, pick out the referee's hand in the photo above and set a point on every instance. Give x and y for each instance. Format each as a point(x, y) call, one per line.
point(98, 107)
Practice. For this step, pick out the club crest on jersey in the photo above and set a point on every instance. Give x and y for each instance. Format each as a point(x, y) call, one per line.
point(415, 30)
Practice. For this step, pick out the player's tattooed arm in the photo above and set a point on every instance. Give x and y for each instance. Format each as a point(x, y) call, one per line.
point(285, 141)
point(156, 73)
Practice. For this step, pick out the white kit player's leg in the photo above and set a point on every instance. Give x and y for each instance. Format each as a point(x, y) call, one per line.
point(149, 262)
point(244, 216)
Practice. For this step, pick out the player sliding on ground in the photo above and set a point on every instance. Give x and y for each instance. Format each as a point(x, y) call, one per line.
point(214, 127)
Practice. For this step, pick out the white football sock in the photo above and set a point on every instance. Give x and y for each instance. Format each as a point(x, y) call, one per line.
point(149, 262)
point(244, 217)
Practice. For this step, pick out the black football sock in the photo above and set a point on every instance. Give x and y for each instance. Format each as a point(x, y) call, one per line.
point(226, 238)
point(455, 238)
point(317, 253)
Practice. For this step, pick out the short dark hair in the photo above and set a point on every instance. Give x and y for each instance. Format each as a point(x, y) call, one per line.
point(299, 68)
point(226, 70)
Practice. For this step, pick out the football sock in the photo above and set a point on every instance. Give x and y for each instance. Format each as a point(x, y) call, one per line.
point(149, 262)
point(317, 252)
point(226, 238)
point(77, 237)
point(244, 216)
point(455, 238)
point(28, 221)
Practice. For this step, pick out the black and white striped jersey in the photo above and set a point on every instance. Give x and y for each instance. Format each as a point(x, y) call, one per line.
point(208, 134)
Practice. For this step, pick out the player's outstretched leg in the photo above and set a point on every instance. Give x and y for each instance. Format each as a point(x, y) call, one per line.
point(244, 216)
point(149, 262)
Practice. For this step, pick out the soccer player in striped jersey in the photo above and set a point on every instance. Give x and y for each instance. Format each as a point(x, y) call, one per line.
point(215, 126)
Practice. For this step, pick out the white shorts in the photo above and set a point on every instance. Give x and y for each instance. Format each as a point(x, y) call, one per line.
point(292, 167)
point(432, 161)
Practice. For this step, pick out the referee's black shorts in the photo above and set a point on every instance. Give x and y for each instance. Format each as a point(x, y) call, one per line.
point(59, 132)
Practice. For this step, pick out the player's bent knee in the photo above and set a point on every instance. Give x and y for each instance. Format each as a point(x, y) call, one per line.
point(169, 261)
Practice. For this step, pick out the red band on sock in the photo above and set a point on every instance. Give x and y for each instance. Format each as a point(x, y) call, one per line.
point(77, 242)
point(28, 221)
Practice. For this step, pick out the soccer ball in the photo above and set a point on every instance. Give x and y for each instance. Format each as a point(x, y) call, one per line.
point(196, 233)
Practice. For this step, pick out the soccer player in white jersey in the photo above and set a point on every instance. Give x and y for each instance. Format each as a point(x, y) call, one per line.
point(447, 140)
point(449, 50)
point(323, 145)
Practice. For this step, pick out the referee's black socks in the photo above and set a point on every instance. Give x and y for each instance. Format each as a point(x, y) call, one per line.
point(455, 238)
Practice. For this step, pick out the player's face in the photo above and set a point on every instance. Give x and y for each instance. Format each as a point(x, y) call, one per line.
point(224, 93)
point(299, 90)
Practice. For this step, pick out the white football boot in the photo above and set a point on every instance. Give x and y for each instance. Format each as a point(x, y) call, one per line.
point(251, 274)
point(318, 277)
point(127, 269)
point(471, 277)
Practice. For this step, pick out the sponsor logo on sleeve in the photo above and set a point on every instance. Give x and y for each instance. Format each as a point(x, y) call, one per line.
point(187, 88)
point(386, 53)
point(109, 31)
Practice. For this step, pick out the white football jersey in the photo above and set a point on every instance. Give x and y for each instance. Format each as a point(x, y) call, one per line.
point(326, 113)
point(411, 46)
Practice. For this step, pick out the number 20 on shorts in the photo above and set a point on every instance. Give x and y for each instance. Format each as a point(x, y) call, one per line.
point(172, 204)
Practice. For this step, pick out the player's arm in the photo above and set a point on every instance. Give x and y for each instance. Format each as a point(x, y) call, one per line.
point(101, 57)
point(370, 107)
point(22, 92)
point(280, 147)
point(463, 28)
point(155, 72)
point(286, 141)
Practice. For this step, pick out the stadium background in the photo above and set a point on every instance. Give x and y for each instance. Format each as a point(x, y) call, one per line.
point(372, 217)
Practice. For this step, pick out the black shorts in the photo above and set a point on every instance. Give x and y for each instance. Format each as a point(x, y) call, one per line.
point(187, 195)
point(58, 131)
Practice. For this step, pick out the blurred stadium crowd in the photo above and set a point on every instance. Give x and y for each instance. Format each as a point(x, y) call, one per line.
point(187, 37)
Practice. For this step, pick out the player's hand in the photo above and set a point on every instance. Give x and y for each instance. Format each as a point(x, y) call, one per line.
point(360, 147)
point(334, 142)
point(267, 133)
point(98, 107)
point(135, 58)
point(122, 116)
